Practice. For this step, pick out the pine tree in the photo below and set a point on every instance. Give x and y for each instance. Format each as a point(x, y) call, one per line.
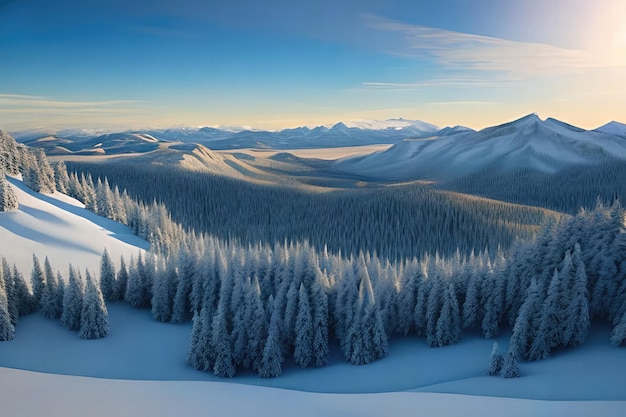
point(510, 368)
point(182, 300)
point(548, 334)
point(138, 289)
point(618, 335)
point(523, 333)
point(496, 360)
point(163, 291)
point(49, 298)
point(257, 327)
point(448, 327)
point(7, 330)
point(38, 283)
point(576, 316)
point(224, 365)
point(61, 177)
point(472, 309)
point(107, 277)
point(94, 322)
point(304, 330)
point(8, 199)
point(72, 301)
point(199, 349)
point(23, 297)
point(122, 280)
point(12, 300)
point(407, 298)
point(270, 363)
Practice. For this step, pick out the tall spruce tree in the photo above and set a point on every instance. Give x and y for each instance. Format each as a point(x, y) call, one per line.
point(107, 277)
point(49, 298)
point(73, 301)
point(7, 330)
point(94, 321)
point(38, 283)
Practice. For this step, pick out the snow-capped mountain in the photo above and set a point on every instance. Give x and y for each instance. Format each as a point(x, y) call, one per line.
point(339, 135)
point(396, 124)
point(613, 128)
point(545, 145)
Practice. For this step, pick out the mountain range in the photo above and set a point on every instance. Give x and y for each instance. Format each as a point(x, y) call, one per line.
point(529, 142)
point(357, 133)
point(418, 150)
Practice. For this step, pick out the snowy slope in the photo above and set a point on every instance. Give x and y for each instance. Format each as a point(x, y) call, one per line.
point(613, 128)
point(61, 228)
point(529, 142)
point(25, 393)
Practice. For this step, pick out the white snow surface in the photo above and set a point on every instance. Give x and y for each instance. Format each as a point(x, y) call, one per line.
point(392, 124)
point(528, 142)
point(61, 228)
point(25, 393)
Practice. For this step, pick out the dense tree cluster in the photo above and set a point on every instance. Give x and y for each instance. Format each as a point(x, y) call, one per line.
point(566, 190)
point(77, 308)
point(396, 222)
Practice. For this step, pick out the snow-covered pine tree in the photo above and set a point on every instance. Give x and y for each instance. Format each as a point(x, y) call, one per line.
point(304, 330)
point(548, 332)
point(107, 277)
point(60, 293)
point(472, 308)
point(224, 365)
point(61, 177)
point(8, 199)
point(121, 281)
point(49, 298)
point(23, 296)
point(75, 188)
point(407, 297)
point(448, 327)
point(163, 292)
point(270, 363)
point(618, 335)
point(576, 323)
point(72, 301)
point(139, 284)
point(104, 200)
point(523, 331)
point(182, 300)
point(38, 282)
point(199, 349)
point(257, 324)
point(94, 321)
point(496, 360)
point(493, 294)
point(510, 368)
point(12, 301)
point(7, 330)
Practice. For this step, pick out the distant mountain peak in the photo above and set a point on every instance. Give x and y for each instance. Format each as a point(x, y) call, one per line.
point(613, 128)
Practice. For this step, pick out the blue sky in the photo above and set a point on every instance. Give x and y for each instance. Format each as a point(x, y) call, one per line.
point(276, 64)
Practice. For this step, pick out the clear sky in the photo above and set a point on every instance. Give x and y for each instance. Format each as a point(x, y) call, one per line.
point(279, 63)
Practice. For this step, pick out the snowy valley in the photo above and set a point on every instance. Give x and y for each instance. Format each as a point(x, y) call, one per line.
point(374, 271)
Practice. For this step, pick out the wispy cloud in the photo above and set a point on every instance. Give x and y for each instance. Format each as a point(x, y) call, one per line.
point(21, 101)
point(468, 60)
point(20, 111)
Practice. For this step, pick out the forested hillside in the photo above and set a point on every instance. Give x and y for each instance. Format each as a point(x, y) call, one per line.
point(567, 190)
point(396, 222)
